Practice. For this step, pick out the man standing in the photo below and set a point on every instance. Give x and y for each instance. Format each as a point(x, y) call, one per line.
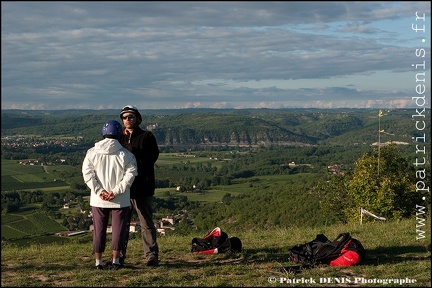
point(144, 146)
point(109, 170)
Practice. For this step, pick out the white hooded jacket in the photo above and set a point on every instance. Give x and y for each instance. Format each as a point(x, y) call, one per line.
point(111, 167)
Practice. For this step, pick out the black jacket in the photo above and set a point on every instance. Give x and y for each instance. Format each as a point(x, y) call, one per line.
point(146, 151)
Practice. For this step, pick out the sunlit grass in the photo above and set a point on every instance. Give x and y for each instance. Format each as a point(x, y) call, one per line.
point(392, 251)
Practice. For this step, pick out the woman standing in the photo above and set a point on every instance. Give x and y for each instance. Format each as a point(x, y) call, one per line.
point(109, 170)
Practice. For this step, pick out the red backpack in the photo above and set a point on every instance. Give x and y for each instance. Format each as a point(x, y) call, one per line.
point(352, 253)
point(216, 241)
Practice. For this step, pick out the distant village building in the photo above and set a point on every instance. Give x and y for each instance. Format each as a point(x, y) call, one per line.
point(161, 231)
point(69, 233)
point(134, 227)
point(336, 169)
point(169, 220)
point(166, 223)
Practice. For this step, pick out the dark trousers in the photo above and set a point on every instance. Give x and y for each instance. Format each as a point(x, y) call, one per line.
point(143, 207)
point(118, 223)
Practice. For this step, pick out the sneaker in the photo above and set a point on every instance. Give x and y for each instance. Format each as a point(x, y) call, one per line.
point(121, 260)
point(116, 266)
point(99, 267)
point(153, 262)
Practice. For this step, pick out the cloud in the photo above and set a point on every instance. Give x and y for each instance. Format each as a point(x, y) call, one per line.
point(62, 55)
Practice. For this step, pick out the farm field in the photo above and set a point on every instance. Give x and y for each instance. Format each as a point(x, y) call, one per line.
point(212, 195)
point(166, 159)
point(216, 193)
point(173, 158)
point(16, 176)
point(28, 222)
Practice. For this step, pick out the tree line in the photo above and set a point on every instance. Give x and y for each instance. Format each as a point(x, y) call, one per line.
point(312, 198)
point(330, 135)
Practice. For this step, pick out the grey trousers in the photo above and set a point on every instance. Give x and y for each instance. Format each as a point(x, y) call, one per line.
point(143, 207)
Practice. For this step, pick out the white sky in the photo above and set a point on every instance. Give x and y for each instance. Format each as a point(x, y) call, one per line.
point(246, 54)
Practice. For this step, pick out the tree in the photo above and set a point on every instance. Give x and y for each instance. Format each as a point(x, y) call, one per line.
point(387, 190)
point(333, 195)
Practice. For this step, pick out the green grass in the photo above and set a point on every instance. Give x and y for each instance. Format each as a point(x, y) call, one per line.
point(392, 252)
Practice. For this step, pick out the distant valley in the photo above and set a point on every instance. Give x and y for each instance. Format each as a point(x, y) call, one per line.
point(229, 127)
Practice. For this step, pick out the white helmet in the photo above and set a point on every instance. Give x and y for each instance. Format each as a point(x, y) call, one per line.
point(134, 110)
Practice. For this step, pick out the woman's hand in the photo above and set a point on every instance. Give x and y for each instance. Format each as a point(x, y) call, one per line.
point(107, 196)
point(111, 196)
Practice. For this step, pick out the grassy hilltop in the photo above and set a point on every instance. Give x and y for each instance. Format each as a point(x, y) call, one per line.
point(393, 253)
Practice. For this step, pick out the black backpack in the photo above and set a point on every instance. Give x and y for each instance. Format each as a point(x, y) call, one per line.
point(216, 241)
point(322, 251)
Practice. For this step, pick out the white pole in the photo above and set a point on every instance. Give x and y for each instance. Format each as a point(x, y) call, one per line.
point(379, 138)
point(361, 216)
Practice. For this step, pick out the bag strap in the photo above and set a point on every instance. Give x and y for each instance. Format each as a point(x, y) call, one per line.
point(343, 238)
